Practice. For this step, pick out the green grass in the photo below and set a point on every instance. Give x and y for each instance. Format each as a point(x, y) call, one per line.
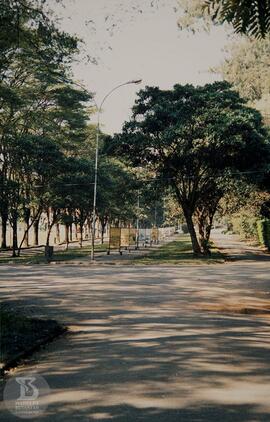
point(39, 258)
point(10, 323)
point(178, 252)
point(20, 333)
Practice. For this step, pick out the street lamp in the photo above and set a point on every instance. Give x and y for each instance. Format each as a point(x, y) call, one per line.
point(133, 81)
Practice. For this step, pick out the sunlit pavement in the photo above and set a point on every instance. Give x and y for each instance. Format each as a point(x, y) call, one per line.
point(143, 346)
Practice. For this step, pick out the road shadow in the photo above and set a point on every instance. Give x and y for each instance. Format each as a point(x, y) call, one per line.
point(140, 346)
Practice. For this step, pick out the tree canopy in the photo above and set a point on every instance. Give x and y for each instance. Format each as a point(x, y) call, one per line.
point(195, 138)
point(47, 145)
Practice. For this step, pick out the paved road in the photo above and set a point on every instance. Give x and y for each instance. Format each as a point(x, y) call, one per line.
point(144, 345)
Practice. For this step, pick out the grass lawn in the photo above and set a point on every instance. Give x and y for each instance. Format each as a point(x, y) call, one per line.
point(31, 257)
point(178, 252)
point(20, 334)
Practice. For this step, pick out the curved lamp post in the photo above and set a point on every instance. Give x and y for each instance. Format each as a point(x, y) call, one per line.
point(99, 108)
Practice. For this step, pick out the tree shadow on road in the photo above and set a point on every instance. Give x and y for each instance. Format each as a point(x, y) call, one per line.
point(141, 348)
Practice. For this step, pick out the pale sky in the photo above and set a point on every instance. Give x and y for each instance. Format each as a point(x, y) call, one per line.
point(129, 39)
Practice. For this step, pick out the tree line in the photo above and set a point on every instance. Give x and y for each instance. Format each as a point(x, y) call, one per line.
point(196, 143)
point(46, 139)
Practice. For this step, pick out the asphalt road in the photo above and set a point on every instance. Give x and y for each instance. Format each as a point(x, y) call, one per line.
point(145, 344)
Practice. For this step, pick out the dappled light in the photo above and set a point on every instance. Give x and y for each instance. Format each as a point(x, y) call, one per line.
point(147, 344)
point(134, 211)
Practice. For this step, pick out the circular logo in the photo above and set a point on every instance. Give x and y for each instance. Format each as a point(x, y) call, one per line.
point(24, 395)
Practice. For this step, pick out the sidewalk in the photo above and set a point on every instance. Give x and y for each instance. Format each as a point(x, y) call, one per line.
point(236, 249)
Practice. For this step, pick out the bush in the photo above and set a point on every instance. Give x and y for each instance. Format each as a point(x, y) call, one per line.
point(263, 230)
point(245, 226)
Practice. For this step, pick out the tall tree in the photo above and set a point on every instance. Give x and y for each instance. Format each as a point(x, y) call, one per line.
point(193, 137)
point(35, 58)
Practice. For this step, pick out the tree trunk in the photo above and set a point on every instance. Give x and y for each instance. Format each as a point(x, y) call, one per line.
point(205, 221)
point(90, 228)
point(103, 225)
point(26, 222)
point(209, 227)
point(81, 235)
point(4, 220)
point(50, 226)
point(67, 235)
point(195, 244)
point(70, 232)
point(14, 233)
point(203, 228)
point(58, 240)
point(36, 232)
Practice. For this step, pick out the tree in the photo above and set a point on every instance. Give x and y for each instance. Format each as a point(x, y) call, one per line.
point(26, 25)
point(116, 196)
point(249, 17)
point(246, 65)
point(193, 137)
point(247, 68)
point(35, 104)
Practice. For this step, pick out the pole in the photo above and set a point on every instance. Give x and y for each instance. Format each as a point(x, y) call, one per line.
point(134, 81)
point(95, 190)
point(138, 221)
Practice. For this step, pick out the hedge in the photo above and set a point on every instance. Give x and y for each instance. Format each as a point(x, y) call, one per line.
point(245, 226)
point(263, 228)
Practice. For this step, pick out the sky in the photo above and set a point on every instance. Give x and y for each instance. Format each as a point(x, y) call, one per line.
point(127, 39)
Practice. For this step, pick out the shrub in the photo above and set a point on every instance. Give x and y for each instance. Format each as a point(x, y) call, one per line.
point(245, 226)
point(263, 230)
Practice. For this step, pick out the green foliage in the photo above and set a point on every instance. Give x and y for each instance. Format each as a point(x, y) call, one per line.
point(247, 61)
point(260, 231)
point(47, 146)
point(197, 140)
point(245, 225)
point(247, 67)
point(263, 228)
point(250, 17)
point(193, 16)
point(26, 26)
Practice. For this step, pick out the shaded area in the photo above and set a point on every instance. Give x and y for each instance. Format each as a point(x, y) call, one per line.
point(21, 334)
point(36, 255)
point(179, 252)
point(124, 413)
point(142, 347)
point(236, 250)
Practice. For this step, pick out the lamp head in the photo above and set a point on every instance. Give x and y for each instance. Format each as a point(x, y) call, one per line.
point(135, 81)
